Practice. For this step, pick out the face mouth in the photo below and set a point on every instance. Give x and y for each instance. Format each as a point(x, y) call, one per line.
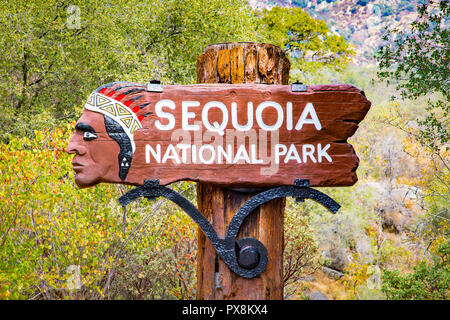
point(77, 167)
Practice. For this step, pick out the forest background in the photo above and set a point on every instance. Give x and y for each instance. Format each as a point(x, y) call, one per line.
point(390, 238)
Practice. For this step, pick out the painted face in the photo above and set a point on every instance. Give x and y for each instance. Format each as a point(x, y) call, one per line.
point(95, 152)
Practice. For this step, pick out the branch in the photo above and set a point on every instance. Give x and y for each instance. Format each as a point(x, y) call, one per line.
point(42, 77)
point(18, 211)
point(44, 33)
point(163, 37)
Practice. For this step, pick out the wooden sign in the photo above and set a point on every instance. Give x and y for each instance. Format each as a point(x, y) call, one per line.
point(246, 135)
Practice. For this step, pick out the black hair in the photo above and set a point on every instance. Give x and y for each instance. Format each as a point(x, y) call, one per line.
point(116, 132)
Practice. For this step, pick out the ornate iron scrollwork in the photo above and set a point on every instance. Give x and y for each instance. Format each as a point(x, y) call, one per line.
point(246, 257)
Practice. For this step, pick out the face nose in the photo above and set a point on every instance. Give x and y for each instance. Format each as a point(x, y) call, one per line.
point(76, 145)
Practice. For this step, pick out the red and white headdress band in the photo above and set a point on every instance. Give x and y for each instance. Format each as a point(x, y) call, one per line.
point(117, 111)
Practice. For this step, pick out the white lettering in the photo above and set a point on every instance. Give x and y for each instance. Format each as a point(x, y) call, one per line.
point(201, 156)
point(158, 110)
point(186, 115)
point(280, 149)
point(308, 150)
point(292, 154)
point(216, 126)
point(171, 153)
point(259, 111)
point(234, 120)
point(221, 154)
point(241, 154)
point(245, 154)
point(194, 153)
point(308, 116)
point(149, 150)
point(253, 155)
point(184, 147)
point(323, 153)
point(309, 110)
point(289, 115)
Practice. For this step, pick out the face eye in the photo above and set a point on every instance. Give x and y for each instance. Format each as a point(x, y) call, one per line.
point(88, 136)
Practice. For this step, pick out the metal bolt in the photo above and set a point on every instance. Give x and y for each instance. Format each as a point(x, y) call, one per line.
point(154, 86)
point(298, 87)
point(248, 257)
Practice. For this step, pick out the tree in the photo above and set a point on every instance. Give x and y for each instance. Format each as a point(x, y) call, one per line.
point(301, 254)
point(418, 60)
point(309, 42)
point(55, 52)
point(425, 283)
point(174, 33)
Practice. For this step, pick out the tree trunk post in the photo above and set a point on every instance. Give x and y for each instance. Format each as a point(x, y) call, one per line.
point(240, 63)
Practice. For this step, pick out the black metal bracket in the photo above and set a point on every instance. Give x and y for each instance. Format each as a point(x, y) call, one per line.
point(246, 257)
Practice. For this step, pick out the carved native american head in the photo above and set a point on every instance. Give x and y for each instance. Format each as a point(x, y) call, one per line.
point(103, 141)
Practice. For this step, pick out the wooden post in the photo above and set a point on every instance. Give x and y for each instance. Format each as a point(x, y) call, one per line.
point(240, 63)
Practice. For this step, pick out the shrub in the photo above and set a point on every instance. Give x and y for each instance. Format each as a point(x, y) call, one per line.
point(49, 227)
point(60, 242)
point(301, 252)
point(428, 281)
point(160, 261)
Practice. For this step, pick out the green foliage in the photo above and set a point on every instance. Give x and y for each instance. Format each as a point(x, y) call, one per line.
point(419, 55)
point(417, 60)
point(174, 33)
point(301, 252)
point(428, 281)
point(49, 60)
point(60, 242)
point(48, 225)
point(55, 53)
point(309, 42)
point(160, 262)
